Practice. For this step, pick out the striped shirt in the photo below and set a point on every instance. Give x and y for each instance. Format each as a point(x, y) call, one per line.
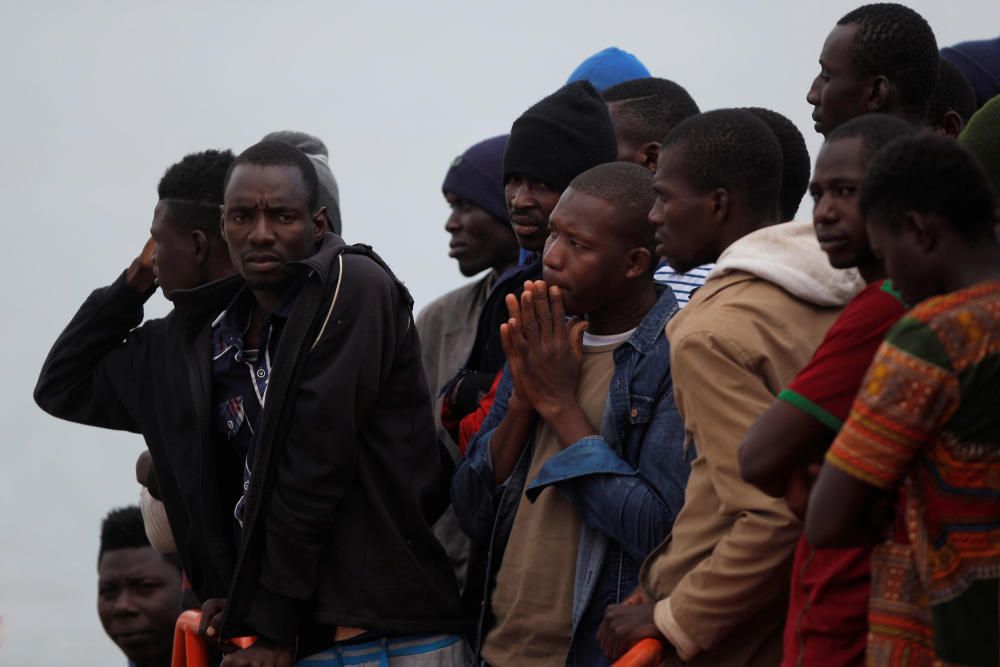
point(682, 284)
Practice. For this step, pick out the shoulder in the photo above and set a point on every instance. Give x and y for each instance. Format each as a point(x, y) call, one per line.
point(453, 299)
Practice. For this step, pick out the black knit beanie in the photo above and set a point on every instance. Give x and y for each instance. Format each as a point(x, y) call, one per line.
point(560, 137)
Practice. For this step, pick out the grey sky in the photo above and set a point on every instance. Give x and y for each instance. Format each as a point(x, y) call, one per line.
point(99, 98)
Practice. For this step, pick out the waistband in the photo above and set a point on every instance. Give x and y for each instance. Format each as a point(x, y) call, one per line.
point(378, 650)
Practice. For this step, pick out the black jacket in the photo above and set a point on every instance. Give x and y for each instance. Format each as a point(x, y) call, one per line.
point(347, 472)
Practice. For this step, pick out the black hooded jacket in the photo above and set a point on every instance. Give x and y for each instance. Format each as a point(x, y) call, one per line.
point(347, 470)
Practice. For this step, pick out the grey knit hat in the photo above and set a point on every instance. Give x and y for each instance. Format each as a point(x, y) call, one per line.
point(329, 193)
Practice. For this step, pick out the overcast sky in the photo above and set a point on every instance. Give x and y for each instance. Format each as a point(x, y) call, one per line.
point(99, 98)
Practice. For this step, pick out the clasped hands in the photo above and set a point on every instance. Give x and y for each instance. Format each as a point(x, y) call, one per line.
point(543, 348)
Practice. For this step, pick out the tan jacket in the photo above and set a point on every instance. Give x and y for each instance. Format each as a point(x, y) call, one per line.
point(722, 577)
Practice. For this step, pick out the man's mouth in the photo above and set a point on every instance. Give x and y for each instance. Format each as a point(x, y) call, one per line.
point(831, 243)
point(133, 637)
point(456, 249)
point(262, 261)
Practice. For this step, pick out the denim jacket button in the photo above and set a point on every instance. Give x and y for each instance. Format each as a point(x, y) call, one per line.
point(635, 413)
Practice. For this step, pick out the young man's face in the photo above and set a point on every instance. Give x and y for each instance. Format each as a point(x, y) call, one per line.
point(839, 226)
point(837, 94)
point(686, 233)
point(267, 223)
point(906, 262)
point(478, 240)
point(174, 261)
point(530, 202)
point(584, 255)
point(138, 600)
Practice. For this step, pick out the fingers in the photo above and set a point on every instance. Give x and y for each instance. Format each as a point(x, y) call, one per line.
point(146, 256)
point(513, 307)
point(575, 336)
point(529, 323)
point(543, 312)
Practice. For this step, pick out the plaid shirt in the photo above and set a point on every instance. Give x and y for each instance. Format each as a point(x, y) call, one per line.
point(240, 376)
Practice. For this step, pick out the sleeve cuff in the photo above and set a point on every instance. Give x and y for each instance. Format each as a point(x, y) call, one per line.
point(663, 616)
point(589, 456)
point(274, 616)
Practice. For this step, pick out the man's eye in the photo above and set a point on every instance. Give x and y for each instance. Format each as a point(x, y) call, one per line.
point(845, 191)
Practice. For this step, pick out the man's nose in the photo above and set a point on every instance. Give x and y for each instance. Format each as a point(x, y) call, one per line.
point(261, 231)
point(124, 604)
point(452, 224)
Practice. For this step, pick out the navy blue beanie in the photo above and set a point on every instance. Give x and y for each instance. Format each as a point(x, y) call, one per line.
point(979, 62)
point(477, 177)
point(609, 68)
point(562, 136)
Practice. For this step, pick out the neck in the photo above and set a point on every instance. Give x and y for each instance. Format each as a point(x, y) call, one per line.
point(623, 314)
point(872, 271)
point(737, 227)
point(978, 263)
point(500, 269)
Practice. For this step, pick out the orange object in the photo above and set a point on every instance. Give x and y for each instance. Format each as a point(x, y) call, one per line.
point(647, 653)
point(189, 648)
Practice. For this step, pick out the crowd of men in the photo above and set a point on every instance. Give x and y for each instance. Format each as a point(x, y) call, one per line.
point(665, 409)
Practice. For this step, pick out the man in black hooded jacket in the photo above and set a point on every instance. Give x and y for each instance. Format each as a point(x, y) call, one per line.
point(300, 494)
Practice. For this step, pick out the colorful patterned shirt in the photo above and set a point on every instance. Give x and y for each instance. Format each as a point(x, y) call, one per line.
point(927, 418)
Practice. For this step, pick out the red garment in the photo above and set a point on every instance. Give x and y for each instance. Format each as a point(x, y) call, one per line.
point(827, 622)
point(470, 424)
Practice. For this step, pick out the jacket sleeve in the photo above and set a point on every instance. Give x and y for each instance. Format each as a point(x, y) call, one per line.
point(635, 506)
point(88, 375)
point(337, 392)
point(720, 396)
point(473, 491)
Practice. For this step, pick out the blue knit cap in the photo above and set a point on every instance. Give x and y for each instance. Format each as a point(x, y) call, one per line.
point(477, 177)
point(609, 68)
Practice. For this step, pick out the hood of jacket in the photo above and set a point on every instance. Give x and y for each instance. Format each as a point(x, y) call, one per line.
point(789, 256)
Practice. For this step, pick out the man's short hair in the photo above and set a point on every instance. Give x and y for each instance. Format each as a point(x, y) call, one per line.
point(193, 190)
point(875, 130)
point(896, 42)
point(650, 107)
point(952, 92)
point(795, 163)
point(279, 153)
point(122, 528)
point(734, 150)
point(932, 175)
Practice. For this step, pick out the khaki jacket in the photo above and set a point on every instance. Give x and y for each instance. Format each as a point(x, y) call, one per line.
point(725, 568)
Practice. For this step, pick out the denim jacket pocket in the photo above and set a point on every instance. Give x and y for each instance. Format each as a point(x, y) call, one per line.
point(640, 409)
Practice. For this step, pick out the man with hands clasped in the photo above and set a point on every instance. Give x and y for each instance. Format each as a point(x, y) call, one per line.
point(580, 467)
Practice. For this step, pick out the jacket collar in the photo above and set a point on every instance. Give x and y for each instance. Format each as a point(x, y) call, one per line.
point(210, 299)
point(652, 325)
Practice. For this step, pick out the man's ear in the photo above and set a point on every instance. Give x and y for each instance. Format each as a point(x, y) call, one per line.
point(650, 155)
point(200, 245)
point(321, 220)
point(878, 94)
point(720, 205)
point(638, 261)
point(921, 230)
point(952, 124)
point(222, 222)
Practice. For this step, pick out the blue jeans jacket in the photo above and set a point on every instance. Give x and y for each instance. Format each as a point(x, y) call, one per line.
point(627, 484)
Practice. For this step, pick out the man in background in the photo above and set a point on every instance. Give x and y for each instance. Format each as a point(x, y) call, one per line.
point(139, 594)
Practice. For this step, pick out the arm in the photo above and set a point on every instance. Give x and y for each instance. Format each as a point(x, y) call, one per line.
point(88, 375)
point(836, 504)
point(907, 394)
point(635, 506)
point(721, 395)
point(782, 441)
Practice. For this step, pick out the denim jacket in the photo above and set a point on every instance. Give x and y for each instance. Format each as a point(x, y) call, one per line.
point(627, 484)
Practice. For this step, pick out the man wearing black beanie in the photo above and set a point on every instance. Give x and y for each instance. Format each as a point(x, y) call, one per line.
point(552, 142)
